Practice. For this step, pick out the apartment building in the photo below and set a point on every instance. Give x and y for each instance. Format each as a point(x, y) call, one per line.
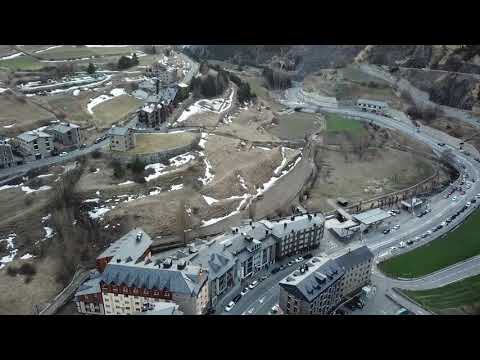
point(357, 265)
point(66, 134)
point(314, 289)
point(121, 138)
point(88, 298)
point(34, 145)
point(127, 286)
point(7, 159)
point(297, 234)
point(165, 75)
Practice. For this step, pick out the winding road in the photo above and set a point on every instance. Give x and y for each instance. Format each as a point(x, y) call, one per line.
point(261, 299)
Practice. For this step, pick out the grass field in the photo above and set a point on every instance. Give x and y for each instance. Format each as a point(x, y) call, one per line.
point(296, 125)
point(457, 246)
point(148, 143)
point(257, 86)
point(339, 123)
point(450, 297)
point(22, 62)
point(75, 107)
point(112, 111)
point(72, 52)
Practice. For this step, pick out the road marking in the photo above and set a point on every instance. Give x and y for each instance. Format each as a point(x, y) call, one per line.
point(251, 310)
point(261, 300)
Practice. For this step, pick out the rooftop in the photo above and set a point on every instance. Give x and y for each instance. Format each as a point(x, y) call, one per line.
point(118, 131)
point(162, 308)
point(354, 257)
point(32, 135)
point(64, 127)
point(308, 285)
point(131, 245)
point(371, 216)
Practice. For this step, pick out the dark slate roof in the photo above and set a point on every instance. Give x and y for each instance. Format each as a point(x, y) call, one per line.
point(150, 276)
point(355, 257)
point(63, 128)
point(319, 277)
point(91, 286)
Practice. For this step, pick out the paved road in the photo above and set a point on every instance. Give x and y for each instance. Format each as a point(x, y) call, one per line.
point(52, 160)
point(411, 225)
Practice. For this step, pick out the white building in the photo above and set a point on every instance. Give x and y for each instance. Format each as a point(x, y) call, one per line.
point(372, 106)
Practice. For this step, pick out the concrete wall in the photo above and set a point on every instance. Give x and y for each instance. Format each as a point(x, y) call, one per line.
point(156, 157)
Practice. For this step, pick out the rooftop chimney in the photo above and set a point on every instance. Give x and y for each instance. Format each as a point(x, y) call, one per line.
point(284, 225)
point(139, 237)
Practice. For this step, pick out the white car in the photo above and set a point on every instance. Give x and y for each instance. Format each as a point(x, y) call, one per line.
point(402, 244)
point(230, 306)
point(393, 248)
point(454, 198)
point(244, 291)
point(417, 238)
point(396, 227)
point(429, 232)
point(299, 259)
point(477, 196)
point(253, 284)
point(444, 223)
point(468, 204)
point(63, 153)
point(274, 309)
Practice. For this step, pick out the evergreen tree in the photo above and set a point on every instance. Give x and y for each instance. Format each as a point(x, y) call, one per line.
point(154, 49)
point(134, 60)
point(91, 69)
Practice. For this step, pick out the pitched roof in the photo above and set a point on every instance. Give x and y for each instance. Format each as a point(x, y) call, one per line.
point(32, 135)
point(151, 276)
point(355, 257)
point(128, 246)
point(64, 128)
point(119, 131)
point(321, 274)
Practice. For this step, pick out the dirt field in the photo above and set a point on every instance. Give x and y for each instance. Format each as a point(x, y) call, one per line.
point(458, 129)
point(18, 297)
point(380, 171)
point(24, 114)
point(250, 124)
point(112, 111)
point(149, 143)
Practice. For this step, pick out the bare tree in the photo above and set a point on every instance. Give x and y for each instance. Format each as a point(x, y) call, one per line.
point(182, 221)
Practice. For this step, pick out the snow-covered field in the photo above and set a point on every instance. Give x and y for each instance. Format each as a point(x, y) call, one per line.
point(11, 248)
point(160, 169)
point(11, 56)
point(2, 90)
point(102, 98)
point(205, 105)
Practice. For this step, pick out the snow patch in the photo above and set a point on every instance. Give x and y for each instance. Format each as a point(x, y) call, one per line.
point(102, 98)
point(209, 200)
point(29, 190)
point(126, 183)
point(26, 256)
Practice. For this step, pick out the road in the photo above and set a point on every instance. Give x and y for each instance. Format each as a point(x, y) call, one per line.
point(52, 160)
point(262, 298)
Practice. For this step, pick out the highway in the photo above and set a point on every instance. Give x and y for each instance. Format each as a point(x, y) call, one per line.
point(264, 296)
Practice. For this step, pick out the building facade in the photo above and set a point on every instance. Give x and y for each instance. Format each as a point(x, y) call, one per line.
point(315, 289)
point(297, 234)
point(372, 106)
point(34, 145)
point(67, 134)
point(357, 265)
point(6, 155)
point(121, 139)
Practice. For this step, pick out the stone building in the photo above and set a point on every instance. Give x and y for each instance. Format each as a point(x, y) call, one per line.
point(121, 138)
point(357, 265)
point(7, 159)
point(314, 289)
point(66, 134)
point(34, 145)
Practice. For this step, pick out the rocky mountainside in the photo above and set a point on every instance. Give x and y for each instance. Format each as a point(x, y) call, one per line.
point(449, 73)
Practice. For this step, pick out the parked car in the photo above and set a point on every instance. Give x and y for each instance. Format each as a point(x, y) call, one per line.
point(274, 309)
point(237, 298)
point(230, 306)
point(253, 284)
point(402, 244)
point(454, 198)
point(441, 144)
point(468, 204)
point(386, 231)
point(83, 146)
point(63, 153)
point(417, 238)
point(275, 270)
point(264, 277)
point(308, 256)
point(473, 201)
point(290, 263)
point(396, 227)
point(244, 291)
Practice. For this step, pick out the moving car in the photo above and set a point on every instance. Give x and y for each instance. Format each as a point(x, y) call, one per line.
point(230, 306)
point(468, 204)
point(417, 238)
point(274, 309)
point(63, 153)
point(396, 227)
point(473, 201)
point(410, 242)
point(253, 284)
point(386, 231)
point(402, 244)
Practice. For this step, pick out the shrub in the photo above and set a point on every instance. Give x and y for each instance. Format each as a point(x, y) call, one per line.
point(136, 166)
point(27, 269)
point(3, 247)
point(96, 154)
point(118, 170)
point(11, 271)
